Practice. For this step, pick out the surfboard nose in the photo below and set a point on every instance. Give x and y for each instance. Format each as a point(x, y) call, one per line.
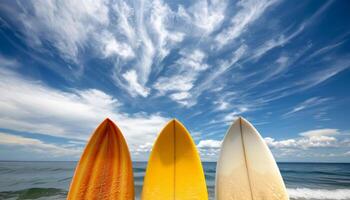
point(107, 121)
point(106, 160)
point(173, 157)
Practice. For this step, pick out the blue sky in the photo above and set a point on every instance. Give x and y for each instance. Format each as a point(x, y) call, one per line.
point(67, 65)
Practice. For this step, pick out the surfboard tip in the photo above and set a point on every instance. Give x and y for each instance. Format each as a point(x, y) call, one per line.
point(107, 120)
point(242, 120)
point(175, 121)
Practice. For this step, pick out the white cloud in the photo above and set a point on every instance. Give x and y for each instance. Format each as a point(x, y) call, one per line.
point(282, 61)
point(191, 66)
point(213, 11)
point(330, 68)
point(310, 139)
point(339, 65)
point(126, 25)
point(113, 47)
point(313, 145)
point(209, 144)
point(279, 41)
point(248, 13)
point(135, 88)
point(148, 28)
point(222, 105)
point(273, 72)
point(223, 66)
point(230, 117)
point(307, 104)
point(283, 39)
point(326, 49)
point(192, 61)
point(67, 24)
point(320, 132)
point(159, 19)
point(133, 36)
point(143, 148)
point(38, 146)
point(173, 83)
point(228, 101)
point(179, 84)
point(30, 106)
point(180, 96)
point(209, 149)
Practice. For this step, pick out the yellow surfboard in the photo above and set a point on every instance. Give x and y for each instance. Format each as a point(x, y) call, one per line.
point(104, 170)
point(174, 170)
point(246, 169)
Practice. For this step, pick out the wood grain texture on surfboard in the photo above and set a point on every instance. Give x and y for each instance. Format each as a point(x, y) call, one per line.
point(174, 169)
point(105, 169)
point(246, 169)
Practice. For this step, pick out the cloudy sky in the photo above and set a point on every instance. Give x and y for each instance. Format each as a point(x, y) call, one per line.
point(66, 65)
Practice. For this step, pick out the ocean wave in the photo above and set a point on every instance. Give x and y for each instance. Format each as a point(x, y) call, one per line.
point(294, 193)
point(320, 194)
point(34, 193)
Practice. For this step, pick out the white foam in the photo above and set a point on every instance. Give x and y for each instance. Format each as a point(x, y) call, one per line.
point(307, 193)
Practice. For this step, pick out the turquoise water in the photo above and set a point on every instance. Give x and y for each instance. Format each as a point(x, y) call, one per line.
point(50, 180)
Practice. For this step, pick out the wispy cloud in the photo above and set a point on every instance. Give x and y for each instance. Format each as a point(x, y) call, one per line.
point(179, 84)
point(209, 82)
point(274, 43)
point(230, 117)
point(326, 49)
point(323, 75)
point(331, 68)
point(212, 11)
point(138, 37)
point(112, 47)
point(222, 104)
point(73, 23)
point(307, 104)
point(284, 38)
point(134, 87)
point(248, 13)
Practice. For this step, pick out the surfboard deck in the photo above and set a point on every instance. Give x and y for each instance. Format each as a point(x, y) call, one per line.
point(174, 169)
point(246, 169)
point(105, 169)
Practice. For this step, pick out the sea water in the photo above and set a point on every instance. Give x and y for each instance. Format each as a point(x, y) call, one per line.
point(50, 180)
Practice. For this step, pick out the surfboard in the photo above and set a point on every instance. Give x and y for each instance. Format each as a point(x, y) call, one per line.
point(246, 169)
point(174, 169)
point(105, 169)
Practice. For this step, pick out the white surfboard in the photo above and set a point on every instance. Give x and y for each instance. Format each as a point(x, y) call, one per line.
point(246, 169)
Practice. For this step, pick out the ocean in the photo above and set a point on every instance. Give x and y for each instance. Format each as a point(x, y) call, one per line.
point(50, 180)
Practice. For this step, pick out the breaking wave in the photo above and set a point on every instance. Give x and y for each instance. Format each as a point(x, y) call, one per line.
point(318, 194)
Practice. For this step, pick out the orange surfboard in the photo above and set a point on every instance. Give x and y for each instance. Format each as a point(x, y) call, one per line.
point(105, 169)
